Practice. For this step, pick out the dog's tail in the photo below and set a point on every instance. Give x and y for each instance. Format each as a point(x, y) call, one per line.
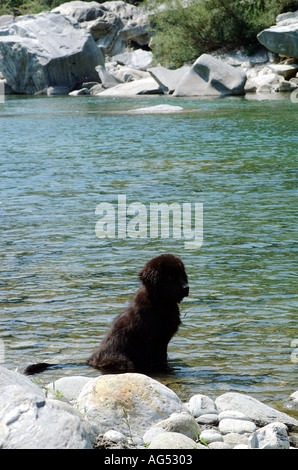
point(37, 368)
point(42, 366)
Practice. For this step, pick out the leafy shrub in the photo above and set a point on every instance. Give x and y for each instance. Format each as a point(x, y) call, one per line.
point(187, 28)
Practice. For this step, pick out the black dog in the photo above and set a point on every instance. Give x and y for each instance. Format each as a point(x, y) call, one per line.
point(138, 338)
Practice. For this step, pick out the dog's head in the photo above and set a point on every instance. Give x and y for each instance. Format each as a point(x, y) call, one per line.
point(165, 278)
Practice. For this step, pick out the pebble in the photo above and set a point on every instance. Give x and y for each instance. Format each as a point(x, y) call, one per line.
point(238, 426)
point(200, 405)
point(209, 418)
point(211, 435)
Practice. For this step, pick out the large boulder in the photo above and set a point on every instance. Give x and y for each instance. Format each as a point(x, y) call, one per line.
point(48, 49)
point(282, 38)
point(129, 403)
point(114, 25)
point(28, 420)
point(211, 77)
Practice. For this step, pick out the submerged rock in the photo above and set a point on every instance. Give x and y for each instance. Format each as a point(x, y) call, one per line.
point(158, 109)
point(47, 50)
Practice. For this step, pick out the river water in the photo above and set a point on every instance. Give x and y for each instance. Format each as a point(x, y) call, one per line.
point(61, 285)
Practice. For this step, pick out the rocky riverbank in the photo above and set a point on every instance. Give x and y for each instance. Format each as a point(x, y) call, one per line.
point(134, 411)
point(88, 48)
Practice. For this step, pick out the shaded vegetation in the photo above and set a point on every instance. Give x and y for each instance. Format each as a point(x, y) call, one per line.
point(188, 28)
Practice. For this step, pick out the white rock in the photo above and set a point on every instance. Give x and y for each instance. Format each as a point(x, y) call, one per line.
point(265, 82)
point(47, 49)
point(114, 436)
point(208, 418)
point(286, 71)
point(80, 92)
point(232, 414)
point(107, 79)
point(211, 77)
point(138, 59)
point(128, 74)
point(168, 79)
point(114, 23)
point(29, 421)
point(152, 433)
point(238, 426)
point(284, 86)
point(130, 403)
point(182, 423)
point(211, 435)
point(233, 439)
point(138, 87)
point(256, 411)
point(219, 445)
point(174, 440)
point(242, 446)
point(66, 388)
point(272, 436)
point(283, 37)
point(201, 404)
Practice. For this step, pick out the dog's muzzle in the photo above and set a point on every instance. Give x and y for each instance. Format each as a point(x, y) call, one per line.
point(185, 291)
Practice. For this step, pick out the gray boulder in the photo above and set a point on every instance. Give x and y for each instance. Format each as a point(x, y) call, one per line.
point(211, 77)
point(4, 19)
point(168, 79)
point(282, 38)
point(80, 11)
point(256, 411)
point(106, 78)
point(113, 24)
point(272, 436)
point(48, 49)
point(29, 421)
point(129, 403)
point(183, 423)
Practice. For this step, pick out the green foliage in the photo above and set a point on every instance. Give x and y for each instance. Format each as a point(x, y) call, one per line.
point(24, 7)
point(188, 28)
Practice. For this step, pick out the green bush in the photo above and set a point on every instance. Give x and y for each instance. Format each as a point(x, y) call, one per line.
point(188, 28)
point(24, 7)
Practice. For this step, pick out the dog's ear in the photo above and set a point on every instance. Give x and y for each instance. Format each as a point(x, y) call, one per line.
point(149, 276)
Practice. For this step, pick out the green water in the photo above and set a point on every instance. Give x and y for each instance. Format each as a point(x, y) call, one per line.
point(61, 286)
